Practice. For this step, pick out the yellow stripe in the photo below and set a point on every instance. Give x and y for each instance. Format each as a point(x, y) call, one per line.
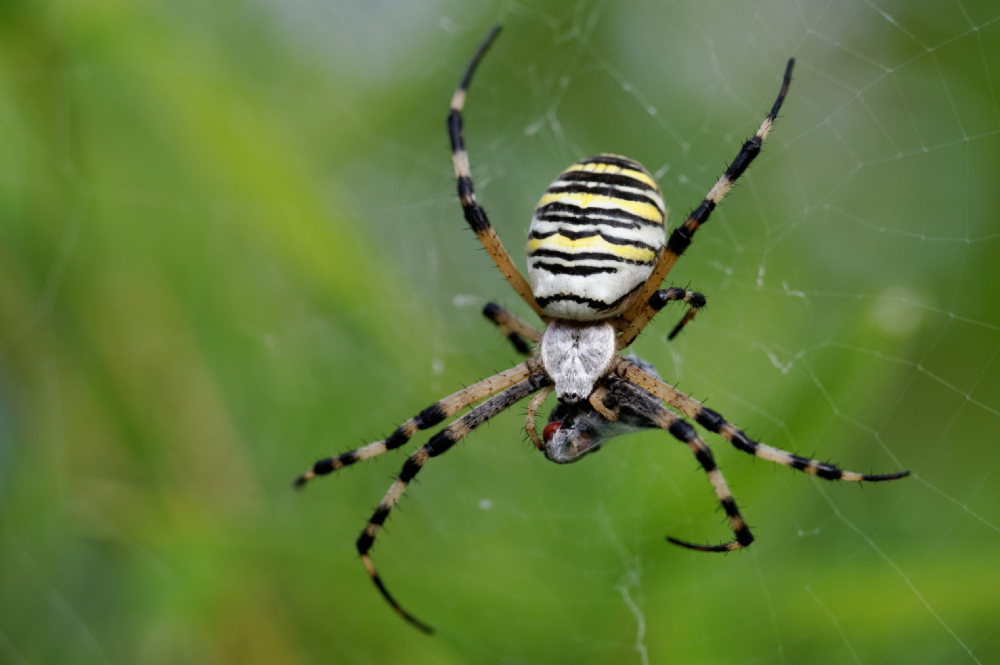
point(611, 168)
point(626, 252)
point(644, 210)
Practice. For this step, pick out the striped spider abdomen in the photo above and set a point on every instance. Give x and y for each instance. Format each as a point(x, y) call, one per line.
point(594, 238)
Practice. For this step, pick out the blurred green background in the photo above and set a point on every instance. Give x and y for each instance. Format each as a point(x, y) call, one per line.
point(230, 245)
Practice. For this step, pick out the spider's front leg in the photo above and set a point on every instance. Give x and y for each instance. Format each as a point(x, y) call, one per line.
point(438, 444)
point(429, 417)
point(474, 213)
point(529, 418)
point(635, 318)
point(650, 407)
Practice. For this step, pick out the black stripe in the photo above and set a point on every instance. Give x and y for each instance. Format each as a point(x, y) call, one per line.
point(583, 217)
point(396, 439)
point(747, 154)
point(380, 514)
point(704, 456)
point(603, 191)
point(799, 463)
point(556, 213)
point(613, 240)
point(431, 416)
point(607, 178)
point(729, 505)
point(597, 305)
point(679, 240)
point(623, 162)
point(364, 543)
point(441, 442)
point(571, 214)
point(491, 311)
point(585, 256)
point(660, 299)
point(323, 467)
point(476, 218)
point(683, 431)
point(710, 420)
point(582, 271)
point(742, 442)
point(455, 131)
point(829, 472)
point(520, 345)
point(465, 187)
point(744, 537)
point(410, 468)
point(701, 213)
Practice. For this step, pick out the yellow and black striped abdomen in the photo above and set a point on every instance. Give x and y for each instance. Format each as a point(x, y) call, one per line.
point(595, 237)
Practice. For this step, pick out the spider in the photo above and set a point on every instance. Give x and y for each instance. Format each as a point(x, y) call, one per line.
point(597, 255)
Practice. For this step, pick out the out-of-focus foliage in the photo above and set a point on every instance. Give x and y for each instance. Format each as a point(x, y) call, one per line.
point(230, 245)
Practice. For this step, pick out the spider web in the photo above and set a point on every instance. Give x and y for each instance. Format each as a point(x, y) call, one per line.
point(851, 279)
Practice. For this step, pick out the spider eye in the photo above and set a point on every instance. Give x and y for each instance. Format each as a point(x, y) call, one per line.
point(550, 430)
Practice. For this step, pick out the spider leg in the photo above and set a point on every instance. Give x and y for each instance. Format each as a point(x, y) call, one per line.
point(438, 444)
point(529, 419)
point(429, 417)
point(513, 327)
point(714, 422)
point(685, 433)
point(635, 318)
point(474, 213)
point(663, 296)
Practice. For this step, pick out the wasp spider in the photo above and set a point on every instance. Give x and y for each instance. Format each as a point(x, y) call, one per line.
point(597, 255)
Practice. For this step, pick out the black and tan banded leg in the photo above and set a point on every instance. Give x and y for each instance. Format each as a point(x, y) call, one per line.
point(714, 422)
point(514, 328)
point(429, 417)
point(635, 318)
point(684, 432)
point(474, 213)
point(438, 444)
point(663, 296)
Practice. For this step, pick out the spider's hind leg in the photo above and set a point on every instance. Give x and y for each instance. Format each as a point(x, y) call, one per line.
point(514, 328)
point(438, 444)
point(647, 405)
